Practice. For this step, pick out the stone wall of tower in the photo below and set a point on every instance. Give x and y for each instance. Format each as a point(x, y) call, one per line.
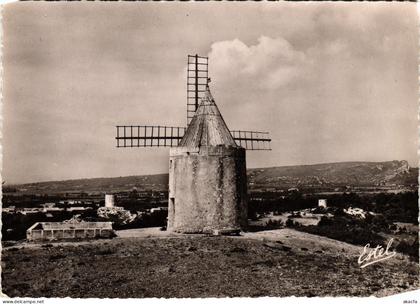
point(207, 189)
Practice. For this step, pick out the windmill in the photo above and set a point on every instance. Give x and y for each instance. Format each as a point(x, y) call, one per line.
point(207, 166)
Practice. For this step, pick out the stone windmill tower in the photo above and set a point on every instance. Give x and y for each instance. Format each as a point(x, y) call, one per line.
point(207, 165)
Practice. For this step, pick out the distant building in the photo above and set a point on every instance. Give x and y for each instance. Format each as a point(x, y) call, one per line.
point(70, 202)
point(62, 230)
point(78, 208)
point(356, 212)
point(322, 203)
point(26, 211)
point(48, 205)
point(109, 200)
point(49, 209)
point(158, 209)
point(9, 209)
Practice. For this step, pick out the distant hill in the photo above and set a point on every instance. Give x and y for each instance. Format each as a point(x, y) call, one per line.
point(353, 174)
point(157, 182)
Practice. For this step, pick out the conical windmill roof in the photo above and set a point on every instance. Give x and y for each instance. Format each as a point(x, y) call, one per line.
point(207, 127)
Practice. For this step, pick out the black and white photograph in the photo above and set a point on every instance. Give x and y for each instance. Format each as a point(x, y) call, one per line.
point(209, 149)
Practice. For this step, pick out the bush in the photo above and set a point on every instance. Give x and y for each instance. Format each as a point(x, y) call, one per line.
point(338, 211)
point(320, 210)
point(409, 248)
point(119, 217)
point(325, 221)
point(290, 223)
point(273, 224)
point(345, 229)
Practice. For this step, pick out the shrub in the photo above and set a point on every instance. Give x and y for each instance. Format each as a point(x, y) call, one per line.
point(409, 248)
point(345, 229)
point(290, 223)
point(325, 221)
point(272, 224)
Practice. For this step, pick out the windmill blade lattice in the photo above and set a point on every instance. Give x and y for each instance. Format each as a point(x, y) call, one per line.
point(169, 136)
point(148, 136)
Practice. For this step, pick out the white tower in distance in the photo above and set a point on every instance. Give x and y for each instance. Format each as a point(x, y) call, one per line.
point(109, 200)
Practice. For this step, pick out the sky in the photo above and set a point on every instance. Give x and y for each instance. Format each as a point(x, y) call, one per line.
point(331, 82)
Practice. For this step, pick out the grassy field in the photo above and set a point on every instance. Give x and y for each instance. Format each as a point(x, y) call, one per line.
point(196, 266)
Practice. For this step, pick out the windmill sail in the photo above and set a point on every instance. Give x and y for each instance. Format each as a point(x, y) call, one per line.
point(164, 136)
point(200, 104)
point(197, 80)
point(252, 140)
point(148, 136)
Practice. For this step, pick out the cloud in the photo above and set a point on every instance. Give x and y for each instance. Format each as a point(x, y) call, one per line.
point(342, 89)
point(273, 61)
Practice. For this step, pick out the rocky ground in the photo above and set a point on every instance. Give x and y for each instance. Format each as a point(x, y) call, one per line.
point(278, 263)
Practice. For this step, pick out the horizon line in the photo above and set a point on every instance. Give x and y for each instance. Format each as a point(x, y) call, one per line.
point(151, 174)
